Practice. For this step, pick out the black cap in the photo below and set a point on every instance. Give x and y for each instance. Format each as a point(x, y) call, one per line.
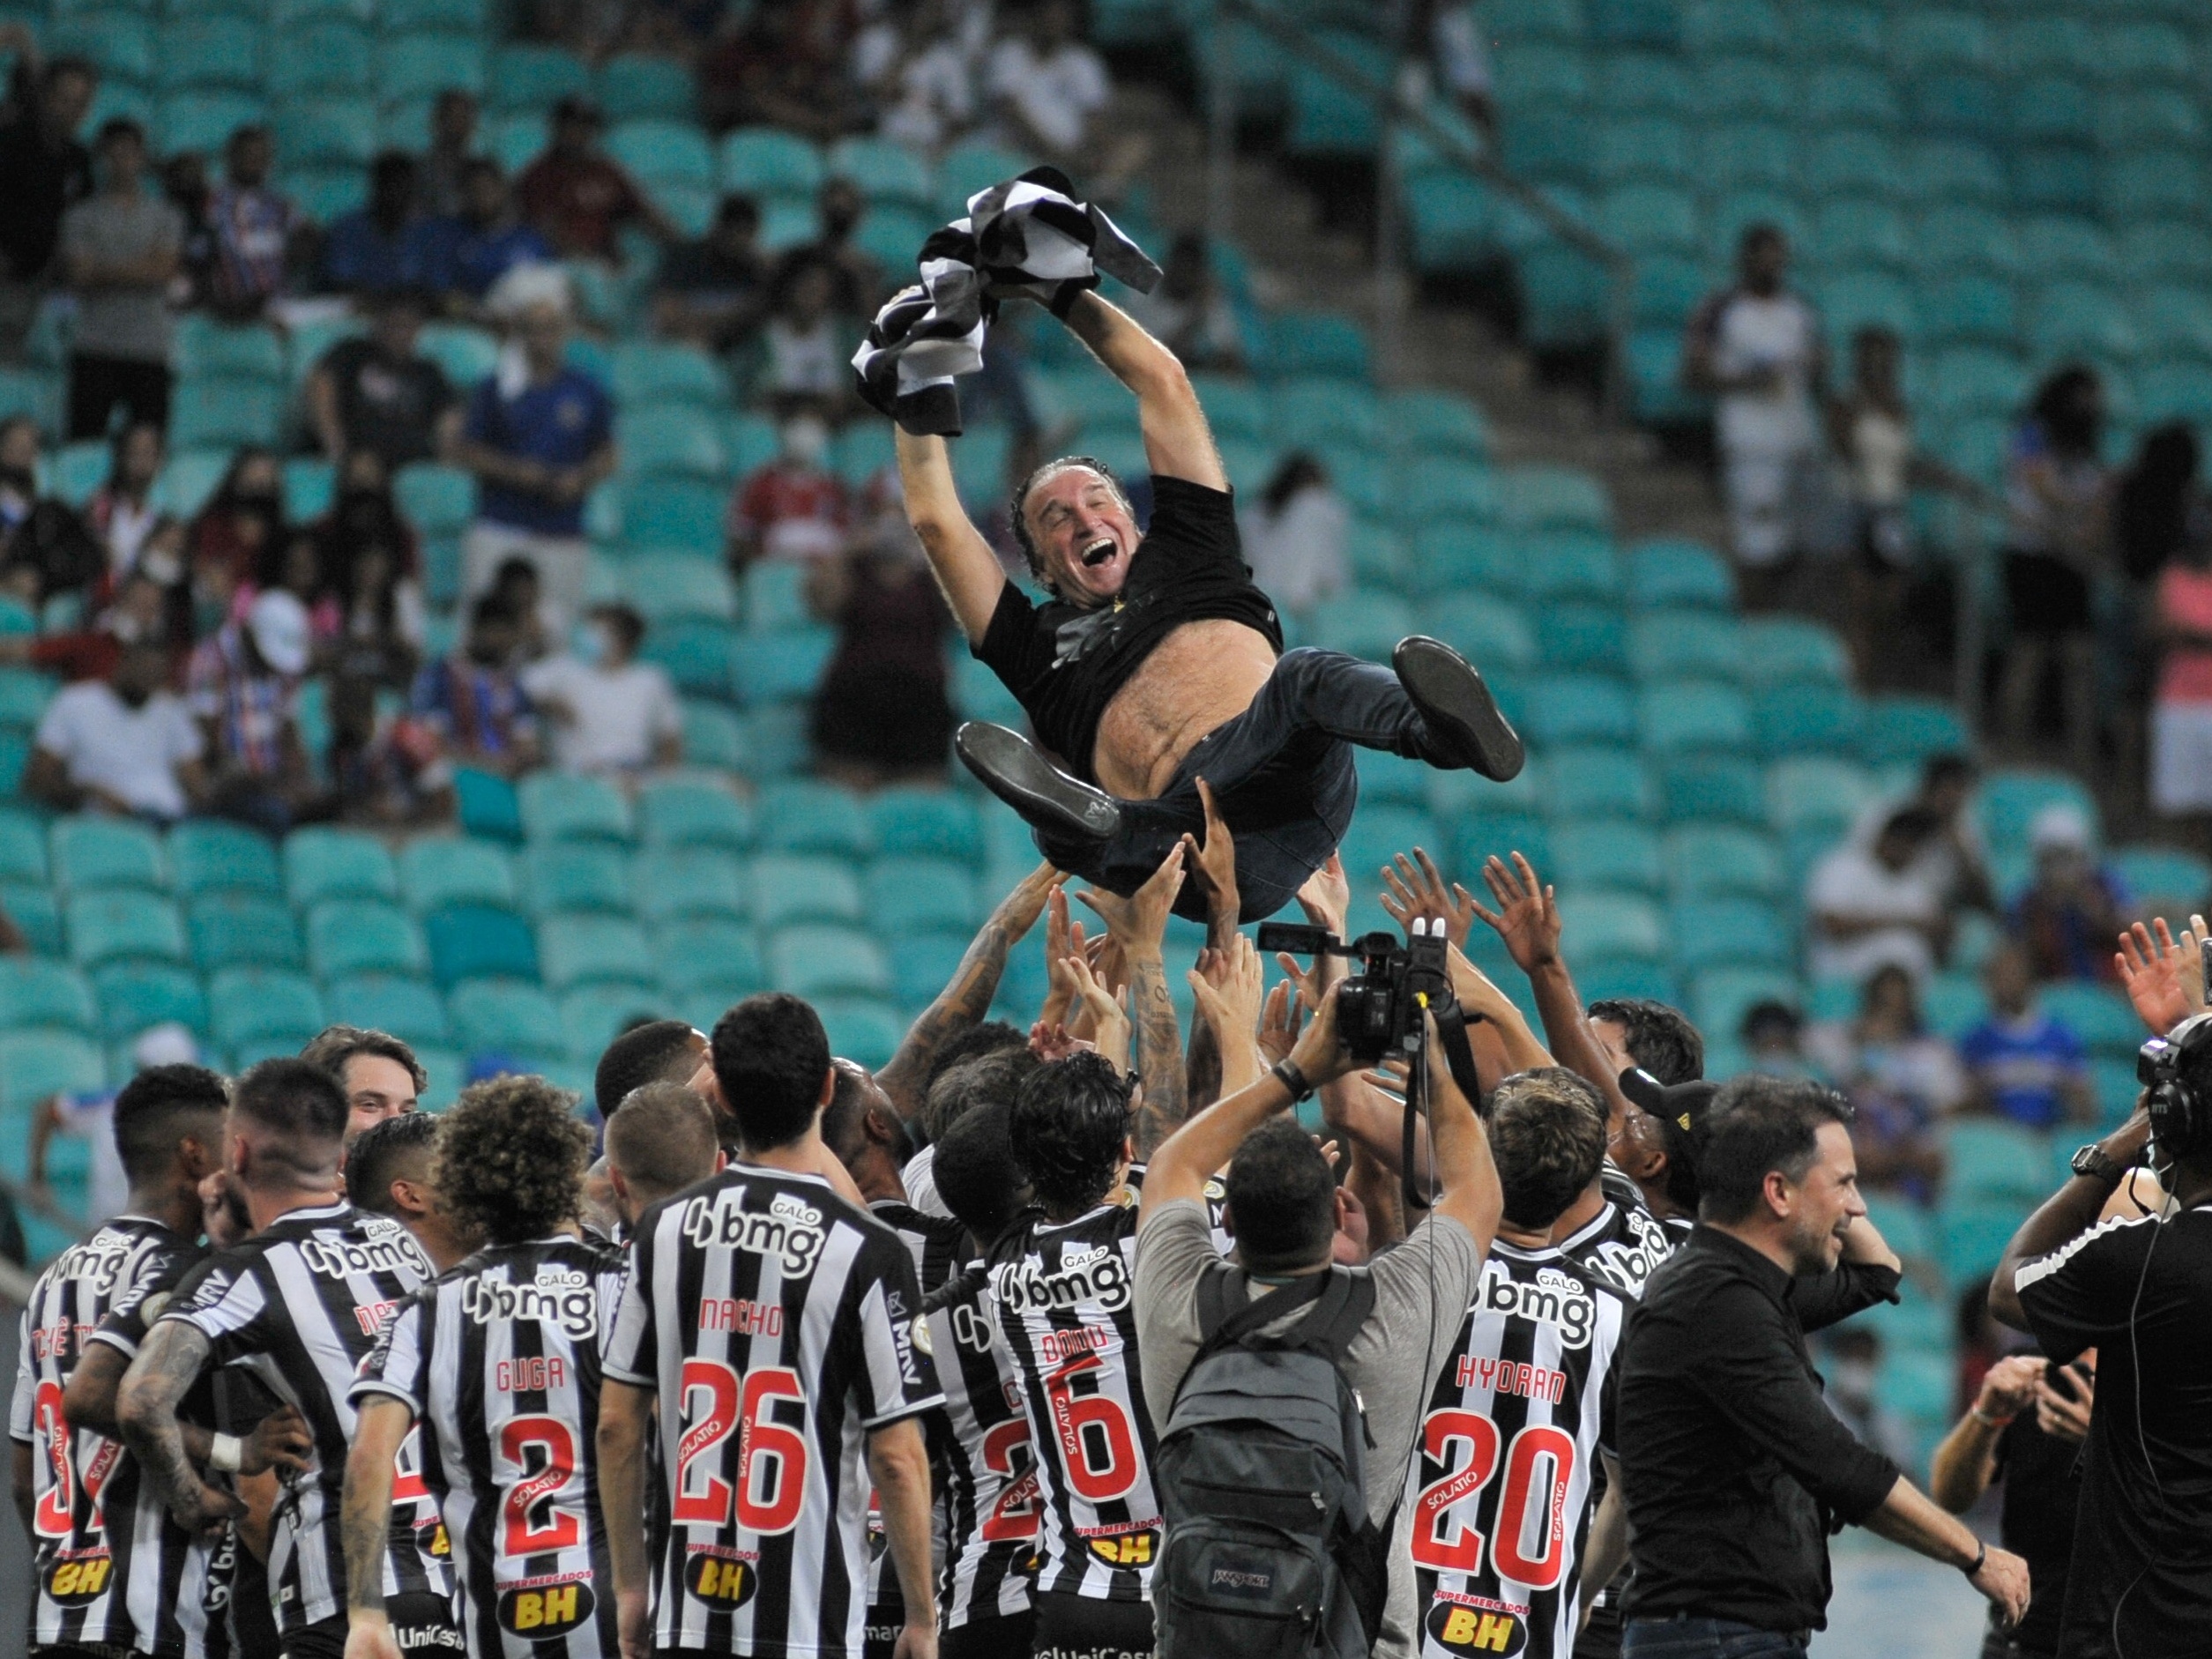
point(1680, 1111)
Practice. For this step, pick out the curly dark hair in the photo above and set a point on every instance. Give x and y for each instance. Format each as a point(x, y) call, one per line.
point(1070, 1125)
point(511, 1155)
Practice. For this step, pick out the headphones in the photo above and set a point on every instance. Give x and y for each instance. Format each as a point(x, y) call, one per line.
point(2176, 1073)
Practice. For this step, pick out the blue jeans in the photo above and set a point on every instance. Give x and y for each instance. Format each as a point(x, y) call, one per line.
point(1282, 773)
point(1707, 1638)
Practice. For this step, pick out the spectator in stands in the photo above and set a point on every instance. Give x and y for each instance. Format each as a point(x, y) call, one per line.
point(1871, 906)
point(143, 605)
point(385, 245)
point(793, 507)
point(1051, 87)
point(1294, 536)
point(1953, 859)
point(884, 711)
point(2069, 914)
point(2181, 715)
point(482, 242)
point(2021, 1063)
point(1189, 312)
point(538, 436)
point(123, 744)
point(20, 454)
point(471, 703)
point(368, 559)
point(1900, 1081)
point(784, 66)
point(1461, 59)
point(516, 585)
point(298, 570)
point(1870, 430)
point(2057, 500)
point(2159, 512)
point(711, 292)
point(807, 351)
point(609, 714)
point(240, 527)
point(253, 230)
point(384, 764)
point(243, 688)
point(119, 248)
point(1756, 347)
point(377, 392)
point(1851, 1365)
point(441, 178)
point(47, 169)
point(856, 281)
point(576, 197)
point(184, 186)
point(121, 511)
point(918, 73)
point(1773, 1035)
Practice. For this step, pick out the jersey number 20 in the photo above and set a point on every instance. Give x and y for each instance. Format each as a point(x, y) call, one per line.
point(1444, 1543)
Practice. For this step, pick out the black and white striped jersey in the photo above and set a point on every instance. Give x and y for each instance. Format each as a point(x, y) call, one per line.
point(936, 1243)
point(111, 1566)
point(986, 1487)
point(1062, 1297)
point(499, 1360)
point(1622, 1244)
point(778, 1325)
point(298, 1306)
point(1217, 1198)
point(1498, 1499)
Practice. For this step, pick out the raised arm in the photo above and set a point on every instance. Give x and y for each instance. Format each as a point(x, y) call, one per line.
point(1139, 923)
point(1177, 442)
point(967, 570)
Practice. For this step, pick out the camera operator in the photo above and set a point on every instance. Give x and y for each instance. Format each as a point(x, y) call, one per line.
point(2139, 1291)
point(2026, 1424)
point(1733, 1465)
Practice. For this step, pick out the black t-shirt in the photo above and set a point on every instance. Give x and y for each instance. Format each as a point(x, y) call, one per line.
point(2042, 1486)
point(1065, 663)
point(2137, 1290)
point(389, 406)
point(701, 268)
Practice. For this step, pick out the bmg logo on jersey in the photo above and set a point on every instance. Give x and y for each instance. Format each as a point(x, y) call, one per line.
point(1551, 1298)
point(1097, 1276)
point(99, 1259)
point(789, 1228)
point(388, 1248)
point(1461, 1629)
point(556, 1296)
point(720, 1578)
point(542, 1609)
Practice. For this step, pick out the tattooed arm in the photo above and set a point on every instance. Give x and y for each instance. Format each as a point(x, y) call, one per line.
point(169, 1361)
point(365, 1521)
point(1213, 871)
point(964, 1002)
point(280, 1440)
point(1138, 923)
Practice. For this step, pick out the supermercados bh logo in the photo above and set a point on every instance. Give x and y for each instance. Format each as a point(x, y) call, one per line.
point(542, 1609)
point(1552, 1298)
point(789, 1228)
point(721, 1576)
point(1474, 1627)
point(555, 1296)
point(383, 1246)
point(1097, 1275)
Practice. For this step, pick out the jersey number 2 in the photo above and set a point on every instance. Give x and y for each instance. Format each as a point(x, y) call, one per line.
point(772, 1458)
point(518, 1534)
point(1444, 1543)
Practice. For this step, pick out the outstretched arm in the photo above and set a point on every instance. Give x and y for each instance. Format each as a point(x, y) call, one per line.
point(1177, 443)
point(967, 569)
point(1138, 923)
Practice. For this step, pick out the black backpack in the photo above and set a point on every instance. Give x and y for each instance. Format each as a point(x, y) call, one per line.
point(1262, 1479)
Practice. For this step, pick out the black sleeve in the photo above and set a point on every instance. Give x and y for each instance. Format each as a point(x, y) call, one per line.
point(1197, 524)
point(1013, 647)
point(1820, 1300)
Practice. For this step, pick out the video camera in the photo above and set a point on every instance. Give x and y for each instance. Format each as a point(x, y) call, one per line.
point(1379, 1008)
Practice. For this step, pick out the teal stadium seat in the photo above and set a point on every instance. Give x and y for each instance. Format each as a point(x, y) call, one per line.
point(713, 736)
point(638, 85)
point(1719, 860)
point(1791, 719)
point(781, 668)
point(1675, 644)
point(1606, 853)
point(1850, 95)
point(109, 923)
point(466, 356)
point(22, 847)
point(1572, 636)
point(1492, 633)
point(36, 1064)
point(923, 964)
point(708, 950)
point(410, 1009)
point(87, 852)
point(1784, 650)
point(1578, 708)
point(768, 162)
point(398, 15)
point(1665, 572)
point(1640, 149)
point(35, 915)
point(273, 1005)
point(1911, 729)
point(1320, 343)
point(2053, 109)
point(674, 881)
point(2132, 54)
point(1675, 716)
point(230, 928)
point(207, 855)
point(593, 1016)
point(813, 961)
point(2008, 800)
point(658, 442)
point(693, 813)
point(1971, 308)
point(440, 870)
point(437, 500)
point(1698, 788)
point(2154, 875)
point(646, 371)
point(496, 1016)
point(471, 942)
point(325, 863)
point(862, 1029)
point(885, 171)
point(559, 807)
point(2100, 1017)
point(1322, 415)
point(347, 936)
point(1566, 563)
point(1364, 624)
point(2068, 245)
point(574, 875)
point(1596, 783)
point(1708, 932)
point(799, 887)
point(34, 991)
point(533, 78)
point(225, 411)
point(210, 52)
point(1720, 998)
point(585, 950)
point(1991, 1159)
point(1457, 554)
point(1803, 792)
point(924, 823)
point(812, 817)
point(135, 995)
point(1599, 924)
point(912, 895)
point(694, 651)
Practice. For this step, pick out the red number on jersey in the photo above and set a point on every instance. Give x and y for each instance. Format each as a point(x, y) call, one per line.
point(408, 1485)
point(55, 1517)
point(771, 1459)
point(1014, 1517)
point(1074, 1417)
point(1442, 1541)
point(707, 1501)
point(518, 1534)
point(1522, 1493)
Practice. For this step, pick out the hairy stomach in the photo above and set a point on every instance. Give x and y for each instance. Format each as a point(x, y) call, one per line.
point(1202, 674)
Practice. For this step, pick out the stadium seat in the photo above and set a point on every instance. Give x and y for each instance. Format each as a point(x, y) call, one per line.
point(693, 813)
point(908, 895)
point(1720, 997)
point(2155, 875)
point(35, 1064)
point(409, 1008)
point(532, 78)
point(1791, 719)
point(670, 881)
point(1784, 650)
point(469, 941)
point(1423, 421)
point(229, 928)
point(796, 886)
point(35, 915)
point(1603, 923)
point(639, 86)
point(498, 1015)
point(88, 852)
point(814, 961)
point(1807, 792)
point(1579, 709)
point(593, 1016)
point(439, 870)
point(923, 964)
point(574, 875)
point(1849, 161)
point(1490, 632)
point(135, 995)
point(1363, 623)
point(668, 443)
point(1604, 853)
point(885, 171)
point(768, 162)
point(34, 991)
point(1991, 1159)
point(1701, 788)
point(1326, 343)
point(1676, 644)
point(813, 817)
point(107, 923)
point(2100, 1017)
point(779, 668)
point(252, 1004)
point(349, 936)
point(1669, 573)
point(323, 863)
point(708, 950)
point(1456, 554)
point(205, 51)
point(2008, 800)
point(1710, 932)
point(1901, 728)
point(22, 847)
point(1719, 860)
point(577, 949)
point(862, 1030)
point(929, 822)
point(1596, 783)
point(558, 806)
point(207, 855)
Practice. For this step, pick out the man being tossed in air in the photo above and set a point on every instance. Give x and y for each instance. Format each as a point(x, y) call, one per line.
point(1156, 661)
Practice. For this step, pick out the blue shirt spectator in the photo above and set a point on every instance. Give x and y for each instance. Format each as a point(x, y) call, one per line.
point(473, 249)
point(559, 422)
point(384, 246)
point(2021, 1063)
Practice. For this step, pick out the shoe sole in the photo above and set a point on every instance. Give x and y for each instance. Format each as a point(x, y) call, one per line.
point(1458, 707)
point(1005, 763)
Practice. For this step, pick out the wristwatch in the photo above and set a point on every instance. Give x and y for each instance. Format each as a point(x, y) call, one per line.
point(2093, 1161)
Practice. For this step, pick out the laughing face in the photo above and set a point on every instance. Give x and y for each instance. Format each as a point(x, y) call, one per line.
point(1084, 533)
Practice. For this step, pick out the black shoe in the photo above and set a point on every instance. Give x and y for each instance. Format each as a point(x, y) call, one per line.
point(1010, 768)
point(1462, 718)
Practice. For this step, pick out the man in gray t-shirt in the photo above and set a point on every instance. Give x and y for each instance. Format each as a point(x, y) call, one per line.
point(1281, 1209)
point(119, 250)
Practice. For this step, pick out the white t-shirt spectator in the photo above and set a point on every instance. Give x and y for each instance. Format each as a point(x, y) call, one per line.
point(620, 713)
point(1298, 555)
point(132, 753)
point(1851, 882)
point(1056, 95)
point(808, 361)
point(1939, 860)
point(1776, 331)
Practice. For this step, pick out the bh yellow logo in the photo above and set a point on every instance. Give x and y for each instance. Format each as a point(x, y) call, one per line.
point(542, 1611)
point(1477, 1631)
point(72, 1583)
point(724, 1584)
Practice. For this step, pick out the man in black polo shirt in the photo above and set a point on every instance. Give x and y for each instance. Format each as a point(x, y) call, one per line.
point(1733, 1467)
point(1156, 661)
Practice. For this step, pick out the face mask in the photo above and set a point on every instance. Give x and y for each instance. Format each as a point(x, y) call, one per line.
point(591, 645)
point(805, 441)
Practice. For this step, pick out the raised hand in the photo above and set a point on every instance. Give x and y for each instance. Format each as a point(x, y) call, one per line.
point(2164, 977)
point(1326, 896)
point(1055, 1041)
point(1140, 921)
point(1278, 1022)
point(1415, 887)
point(1018, 911)
point(1109, 1015)
point(280, 1440)
point(1527, 917)
point(1213, 868)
